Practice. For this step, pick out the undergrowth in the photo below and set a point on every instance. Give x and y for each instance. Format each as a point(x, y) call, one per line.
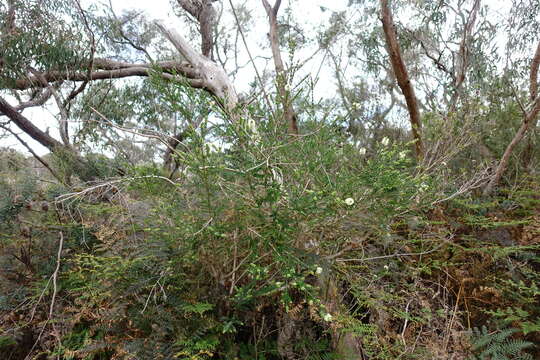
point(271, 248)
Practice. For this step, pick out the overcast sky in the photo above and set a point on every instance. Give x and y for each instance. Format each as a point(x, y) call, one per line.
point(309, 13)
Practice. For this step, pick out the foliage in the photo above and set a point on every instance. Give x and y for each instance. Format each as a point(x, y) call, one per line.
point(184, 229)
point(499, 345)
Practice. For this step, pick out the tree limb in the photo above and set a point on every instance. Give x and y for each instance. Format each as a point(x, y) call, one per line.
point(204, 12)
point(211, 76)
point(533, 86)
point(108, 69)
point(529, 120)
point(282, 81)
point(463, 54)
point(34, 154)
point(402, 76)
point(26, 125)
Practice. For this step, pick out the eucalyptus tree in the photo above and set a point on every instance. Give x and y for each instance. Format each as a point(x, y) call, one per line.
point(459, 66)
point(57, 50)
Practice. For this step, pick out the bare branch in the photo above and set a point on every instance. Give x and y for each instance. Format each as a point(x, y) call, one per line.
point(81, 88)
point(109, 69)
point(533, 86)
point(63, 121)
point(402, 76)
point(212, 76)
point(26, 125)
point(529, 120)
point(463, 54)
point(282, 81)
point(34, 154)
point(39, 99)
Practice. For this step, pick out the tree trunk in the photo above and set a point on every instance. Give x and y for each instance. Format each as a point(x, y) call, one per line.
point(402, 76)
point(529, 121)
point(281, 74)
point(75, 162)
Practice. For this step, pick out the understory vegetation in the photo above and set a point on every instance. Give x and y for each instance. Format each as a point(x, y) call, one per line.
point(267, 248)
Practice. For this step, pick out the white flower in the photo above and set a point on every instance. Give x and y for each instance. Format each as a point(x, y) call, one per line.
point(385, 141)
point(318, 271)
point(251, 126)
point(423, 187)
point(327, 317)
point(386, 267)
point(349, 201)
point(402, 155)
point(362, 151)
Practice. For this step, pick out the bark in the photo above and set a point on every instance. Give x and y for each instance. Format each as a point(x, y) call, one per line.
point(402, 76)
point(34, 154)
point(348, 345)
point(212, 76)
point(529, 121)
point(26, 125)
point(463, 55)
point(205, 14)
point(108, 69)
point(63, 121)
point(281, 74)
point(173, 145)
point(527, 155)
point(534, 73)
point(74, 160)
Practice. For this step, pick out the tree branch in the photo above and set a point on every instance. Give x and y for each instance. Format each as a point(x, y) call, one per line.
point(212, 76)
point(533, 86)
point(463, 54)
point(529, 120)
point(282, 81)
point(26, 125)
point(34, 154)
point(402, 76)
point(205, 14)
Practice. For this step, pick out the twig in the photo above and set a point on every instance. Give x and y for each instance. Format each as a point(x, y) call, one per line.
point(55, 274)
point(54, 278)
point(34, 154)
point(151, 292)
point(65, 197)
point(266, 97)
point(394, 255)
point(405, 323)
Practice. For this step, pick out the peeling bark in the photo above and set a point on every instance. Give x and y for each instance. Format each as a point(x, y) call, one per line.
point(204, 12)
point(211, 75)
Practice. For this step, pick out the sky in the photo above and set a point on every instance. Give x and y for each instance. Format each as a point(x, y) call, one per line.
point(307, 12)
point(312, 15)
